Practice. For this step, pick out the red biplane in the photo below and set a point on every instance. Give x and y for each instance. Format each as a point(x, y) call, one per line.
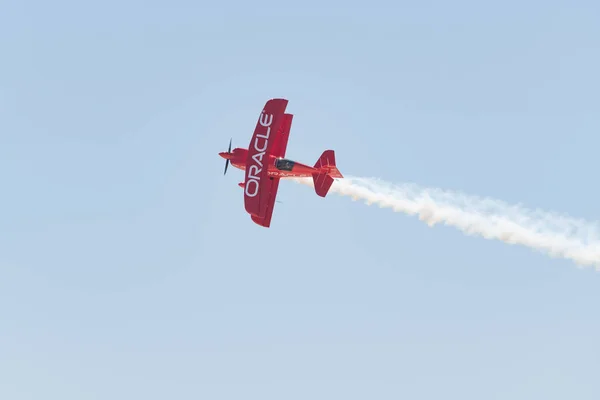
point(265, 164)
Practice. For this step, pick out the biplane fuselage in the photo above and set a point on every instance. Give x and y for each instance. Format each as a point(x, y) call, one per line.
point(279, 167)
point(264, 163)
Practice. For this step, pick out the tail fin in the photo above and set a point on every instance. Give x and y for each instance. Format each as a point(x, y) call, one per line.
point(326, 163)
point(322, 183)
point(327, 171)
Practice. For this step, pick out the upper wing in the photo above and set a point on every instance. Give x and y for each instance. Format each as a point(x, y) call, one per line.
point(281, 137)
point(272, 195)
point(257, 185)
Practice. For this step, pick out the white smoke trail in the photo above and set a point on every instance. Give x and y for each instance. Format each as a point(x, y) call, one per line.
point(552, 234)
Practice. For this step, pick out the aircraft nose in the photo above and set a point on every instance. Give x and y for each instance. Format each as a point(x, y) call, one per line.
point(225, 155)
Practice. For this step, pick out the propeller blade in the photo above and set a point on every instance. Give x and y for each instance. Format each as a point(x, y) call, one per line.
point(227, 160)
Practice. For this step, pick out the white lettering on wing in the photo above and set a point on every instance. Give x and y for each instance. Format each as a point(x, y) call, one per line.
point(259, 150)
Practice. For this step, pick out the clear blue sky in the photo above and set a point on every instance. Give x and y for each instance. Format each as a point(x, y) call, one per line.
point(129, 268)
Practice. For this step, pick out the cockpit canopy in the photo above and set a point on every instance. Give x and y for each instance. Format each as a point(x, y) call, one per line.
point(284, 165)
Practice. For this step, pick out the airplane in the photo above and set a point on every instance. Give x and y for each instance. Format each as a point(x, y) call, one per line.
point(264, 163)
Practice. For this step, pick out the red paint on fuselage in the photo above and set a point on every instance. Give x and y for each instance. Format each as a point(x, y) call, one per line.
point(238, 156)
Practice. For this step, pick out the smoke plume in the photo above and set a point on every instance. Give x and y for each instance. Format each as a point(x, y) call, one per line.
point(550, 233)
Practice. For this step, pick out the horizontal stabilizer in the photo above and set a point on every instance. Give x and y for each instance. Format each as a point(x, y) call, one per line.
point(326, 163)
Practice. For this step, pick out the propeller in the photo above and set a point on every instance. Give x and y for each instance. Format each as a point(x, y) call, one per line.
point(227, 160)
